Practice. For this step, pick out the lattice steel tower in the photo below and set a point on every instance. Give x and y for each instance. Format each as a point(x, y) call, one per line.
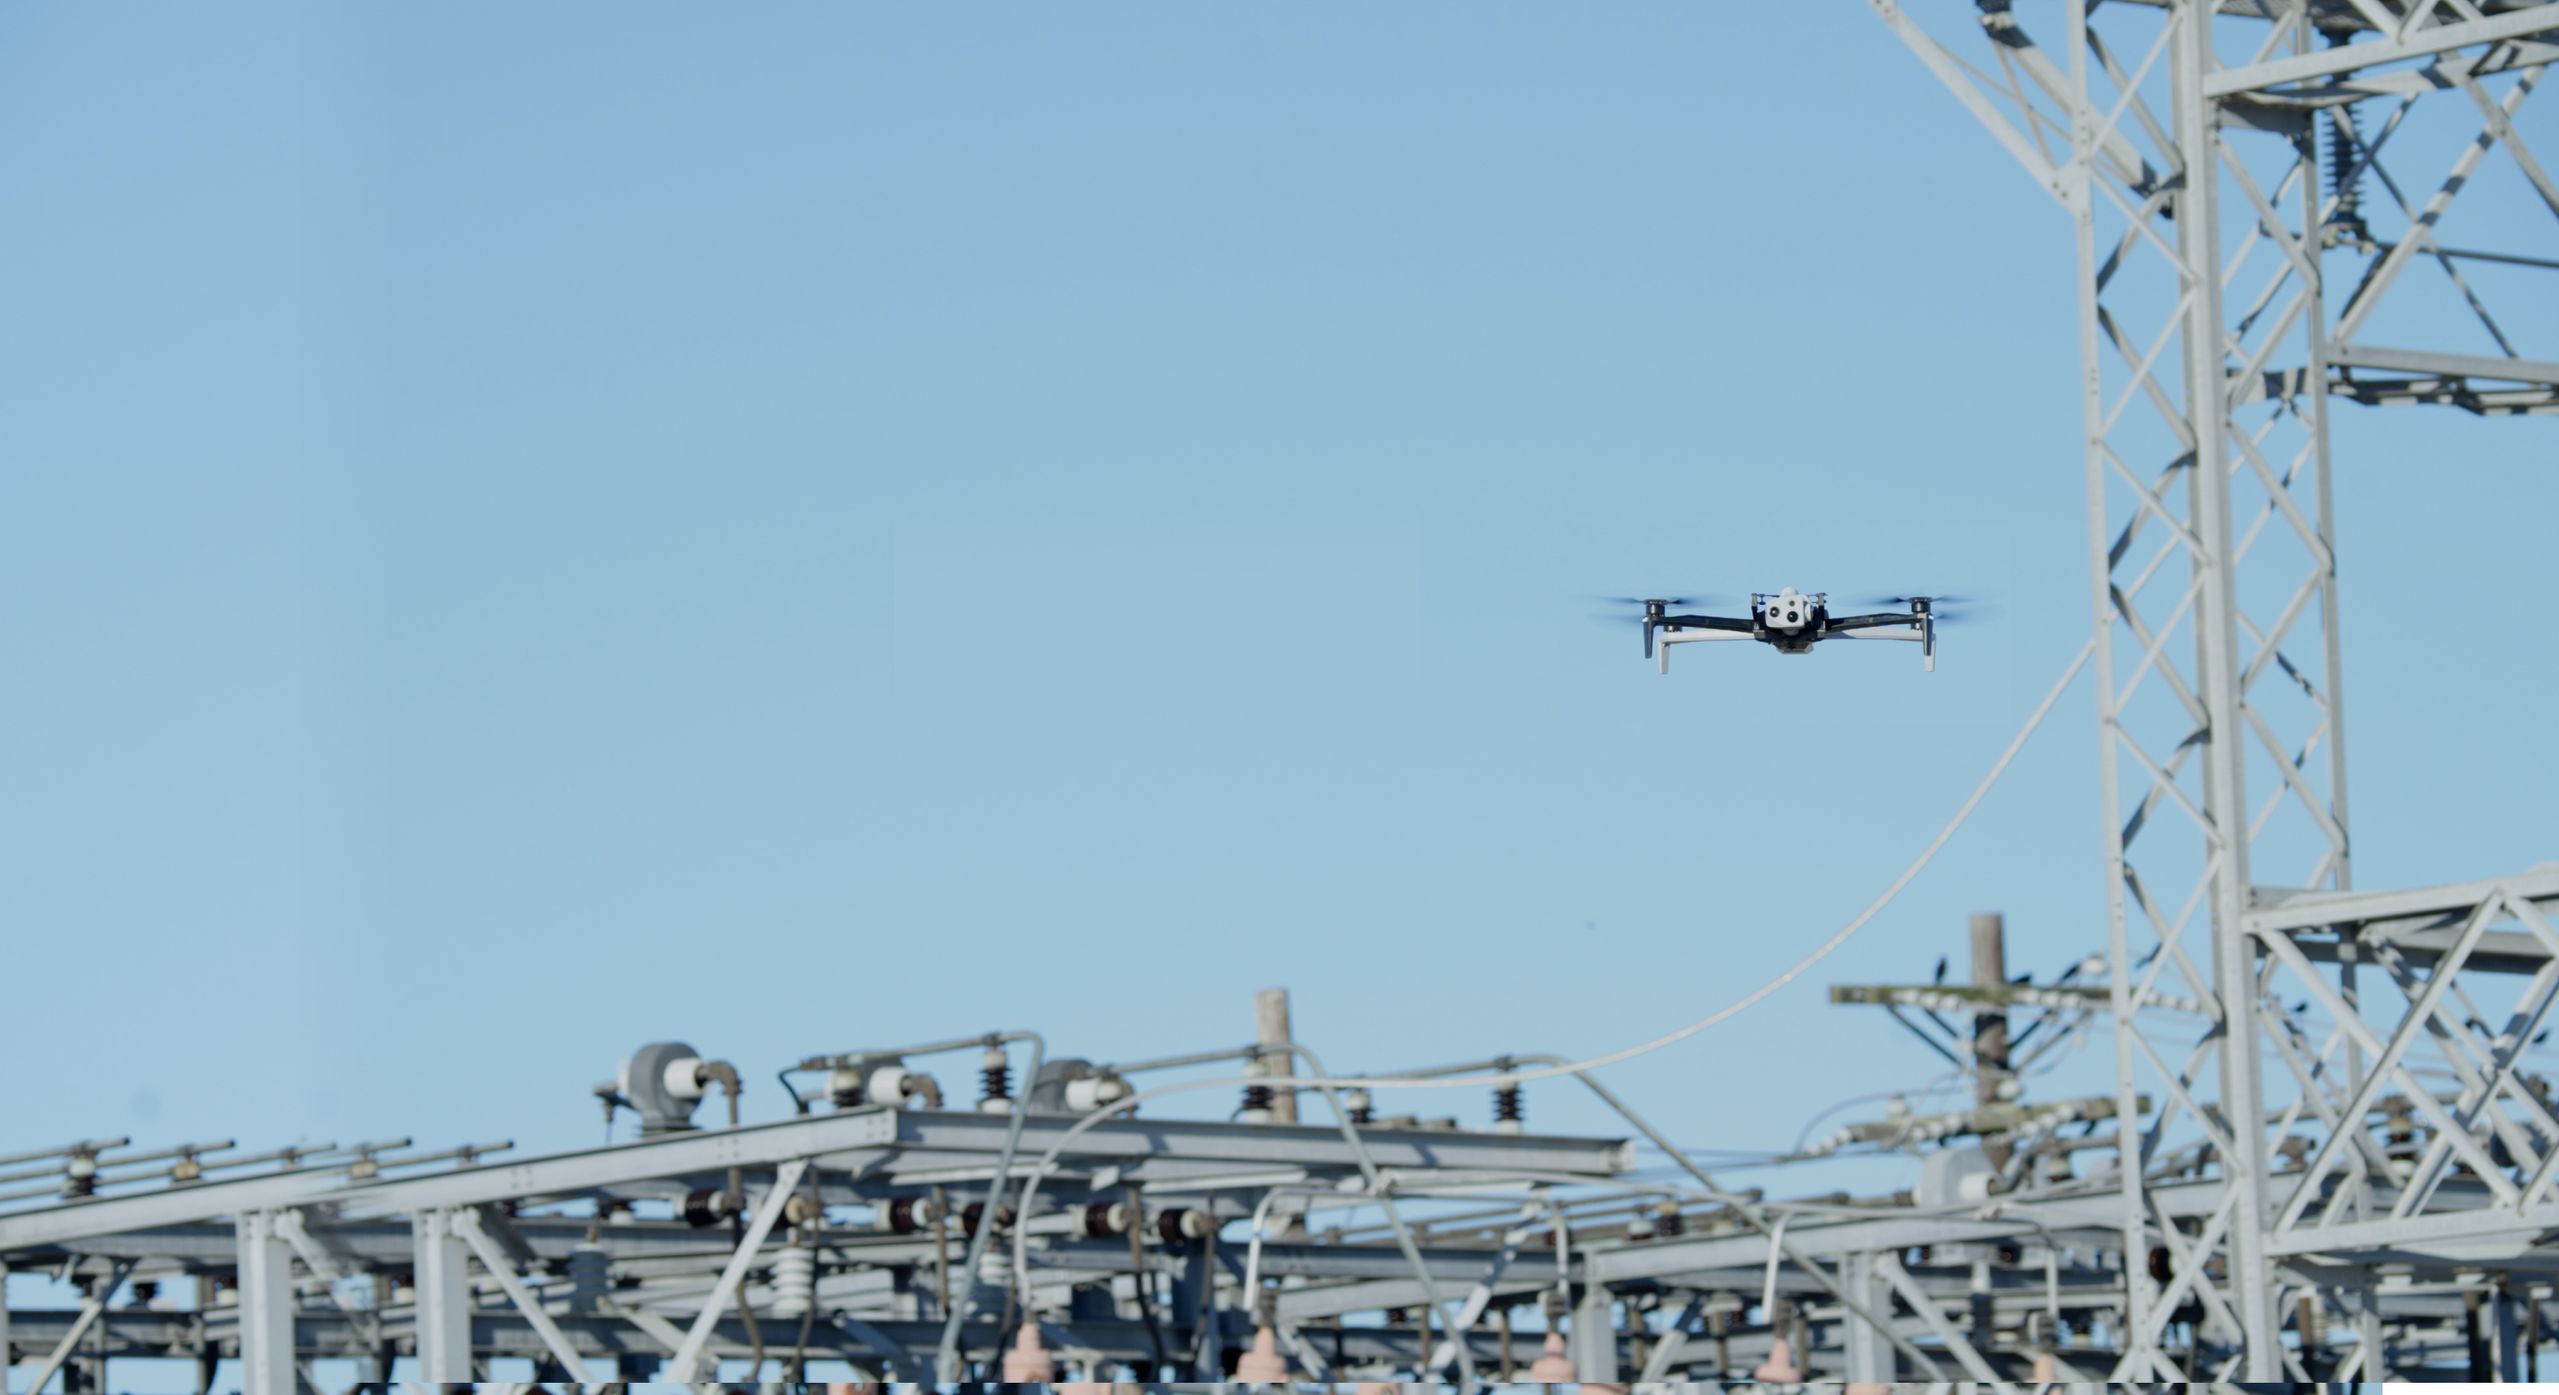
point(2236, 176)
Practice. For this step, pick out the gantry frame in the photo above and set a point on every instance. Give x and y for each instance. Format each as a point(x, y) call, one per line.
point(2231, 170)
point(2184, 140)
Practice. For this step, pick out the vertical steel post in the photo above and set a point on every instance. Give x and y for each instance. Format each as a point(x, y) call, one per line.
point(1867, 1347)
point(442, 1260)
point(2509, 1335)
point(266, 1306)
point(1594, 1334)
point(2217, 674)
point(2312, 208)
point(2081, 196)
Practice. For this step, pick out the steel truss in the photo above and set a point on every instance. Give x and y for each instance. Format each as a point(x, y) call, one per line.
point(588, 1259)
point(2248, 257)
point(2340, 1176)
point(1165, 1247)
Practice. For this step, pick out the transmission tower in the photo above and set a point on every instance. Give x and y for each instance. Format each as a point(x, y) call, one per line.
point(2258, 257)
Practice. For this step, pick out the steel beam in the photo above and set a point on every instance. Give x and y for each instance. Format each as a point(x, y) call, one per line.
point(2510, 370)
point(441, 1261)
point(2332, 62)
point(266, 1307)
point(688, 1357)
point(1594, 1334)
point(1869, 1351)
point(91, 1313)
point(466, 1224)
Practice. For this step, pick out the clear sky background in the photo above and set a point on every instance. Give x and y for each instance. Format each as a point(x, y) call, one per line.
point(530, 530)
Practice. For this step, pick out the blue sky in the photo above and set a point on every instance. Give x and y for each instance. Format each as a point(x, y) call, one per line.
point(530, 533)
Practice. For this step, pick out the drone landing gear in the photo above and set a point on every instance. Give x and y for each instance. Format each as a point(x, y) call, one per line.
point(1667, 638)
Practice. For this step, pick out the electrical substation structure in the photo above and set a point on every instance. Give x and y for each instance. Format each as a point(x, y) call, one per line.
point(2323, 1157)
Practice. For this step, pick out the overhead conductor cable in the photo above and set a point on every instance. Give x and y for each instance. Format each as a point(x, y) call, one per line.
point(1048, 1159)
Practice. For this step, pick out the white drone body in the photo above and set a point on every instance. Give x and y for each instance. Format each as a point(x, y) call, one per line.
point(1790, 622)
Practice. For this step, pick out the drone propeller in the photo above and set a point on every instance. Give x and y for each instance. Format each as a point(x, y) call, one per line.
point(1646, 611)
point(1668, 602)
point(1946, 610)
point(1633, 610)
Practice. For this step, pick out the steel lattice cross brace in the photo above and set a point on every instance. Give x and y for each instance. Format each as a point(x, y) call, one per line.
point(463, 1267)
point(2474, 972)
point(2232, 282)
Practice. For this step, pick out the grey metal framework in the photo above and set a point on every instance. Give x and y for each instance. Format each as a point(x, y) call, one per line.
point(1359, 1247)
point(2245, 181)
point(1161, 1246)
point(2324, 1156)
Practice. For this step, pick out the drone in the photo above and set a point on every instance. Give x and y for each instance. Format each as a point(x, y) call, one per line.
point(1791, 622)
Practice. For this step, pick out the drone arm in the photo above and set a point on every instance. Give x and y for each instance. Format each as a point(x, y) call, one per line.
point(1874, 622)
point(1707, 622)
point(1919, 629)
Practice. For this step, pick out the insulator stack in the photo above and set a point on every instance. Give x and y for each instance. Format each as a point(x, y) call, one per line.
point(1509, 1114)
point(2343, 130)
point(906, 1215)
point(2399, 1121)
point(2345, 178)
point(704, 1207)
point(794, 1281)
point(1257, 1101)
point(995, 1082)
point(1105, 1219)
point(1362, 1108)
point(590, 1278)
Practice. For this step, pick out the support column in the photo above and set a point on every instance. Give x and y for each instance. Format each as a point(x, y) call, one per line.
point(442, 1261)
point(1195, 1307)
point(2251, 1285)
point(266, 1306)
point(2368, 1336)
point(1990, 1022)
point(2509, 1336)
point(1271, 1028)
point(1869, 1348)
point(1594, 1334)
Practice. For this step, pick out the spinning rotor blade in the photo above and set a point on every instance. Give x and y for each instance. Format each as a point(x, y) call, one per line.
point(1641, 616)
point(1946, 610)
point(1667, 602)
point(1968, 613)
point(1933, 598)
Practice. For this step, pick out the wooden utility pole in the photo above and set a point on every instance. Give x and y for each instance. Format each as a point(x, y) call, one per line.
point(1270, 1028)
point(1990, 1022)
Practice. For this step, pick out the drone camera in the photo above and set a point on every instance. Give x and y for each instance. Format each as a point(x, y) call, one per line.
point(1787, 610)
